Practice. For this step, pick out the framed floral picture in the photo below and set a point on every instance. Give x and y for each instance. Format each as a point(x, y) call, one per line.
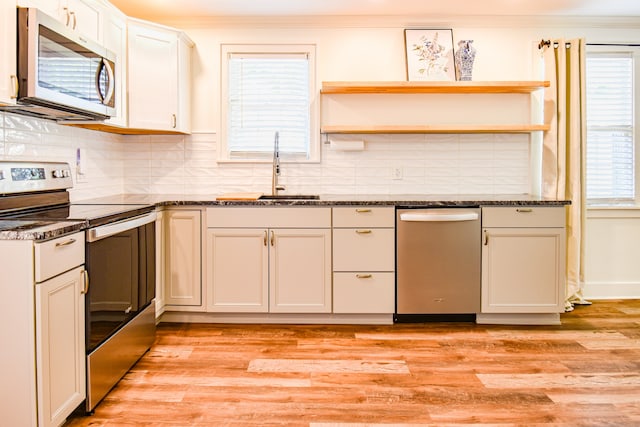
point(429, 55)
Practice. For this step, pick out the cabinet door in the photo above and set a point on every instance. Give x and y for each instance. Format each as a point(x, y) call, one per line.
point(523, 270)
point(153, 78)
point(182, 263)
point(60, 349)
point(300, 270)
point(52, 8)
point(237, 267)
point(8, 31)
point(85, 16)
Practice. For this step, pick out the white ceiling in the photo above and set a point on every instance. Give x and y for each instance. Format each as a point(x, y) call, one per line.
point(167, 10)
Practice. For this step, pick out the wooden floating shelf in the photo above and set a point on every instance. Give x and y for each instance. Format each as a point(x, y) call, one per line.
point(434, 129)
point(432, 87)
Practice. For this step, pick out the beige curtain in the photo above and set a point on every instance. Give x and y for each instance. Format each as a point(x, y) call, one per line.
point(564, 150)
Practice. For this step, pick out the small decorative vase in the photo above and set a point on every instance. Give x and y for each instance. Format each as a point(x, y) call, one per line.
point(464, 58)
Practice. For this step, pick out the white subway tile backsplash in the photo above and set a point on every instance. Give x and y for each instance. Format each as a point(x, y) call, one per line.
point(430, 163)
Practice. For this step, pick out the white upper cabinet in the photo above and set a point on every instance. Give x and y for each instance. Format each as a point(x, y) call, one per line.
point(159, 78)
point(8, 78)
point(84, 16)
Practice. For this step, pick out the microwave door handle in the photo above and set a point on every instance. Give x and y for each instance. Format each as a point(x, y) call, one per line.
point(97, 80)
point(111, 81)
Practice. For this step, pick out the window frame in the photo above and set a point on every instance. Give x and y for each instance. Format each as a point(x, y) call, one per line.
point(634, 51)
point(226, 50)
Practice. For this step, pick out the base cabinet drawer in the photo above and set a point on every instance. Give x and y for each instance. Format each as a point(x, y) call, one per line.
point(364, 292)
point(364, 249)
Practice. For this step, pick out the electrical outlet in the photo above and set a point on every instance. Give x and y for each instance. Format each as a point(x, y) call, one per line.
point(396, 173)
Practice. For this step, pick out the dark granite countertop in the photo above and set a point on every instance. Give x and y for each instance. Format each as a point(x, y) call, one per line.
point(43, 232)
point(335, 200)
point(58, 229)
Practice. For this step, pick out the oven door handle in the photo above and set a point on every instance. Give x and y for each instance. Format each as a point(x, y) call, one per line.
point(108, 230)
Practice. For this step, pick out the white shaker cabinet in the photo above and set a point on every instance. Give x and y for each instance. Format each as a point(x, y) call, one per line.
point(159, 74)
point(265, 259)
point(238, 269)
point(182, 247)
point(363, 259)
point(523, 259)
point(8, 31)
point(42, 321)
point(84, 16)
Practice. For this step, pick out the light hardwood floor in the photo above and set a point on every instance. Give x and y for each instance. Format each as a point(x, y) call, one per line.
point(585, 372)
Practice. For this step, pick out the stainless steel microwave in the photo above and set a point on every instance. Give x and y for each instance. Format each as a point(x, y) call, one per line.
point(61, 74)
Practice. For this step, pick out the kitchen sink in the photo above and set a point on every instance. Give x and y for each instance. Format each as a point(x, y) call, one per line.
point(289, 197)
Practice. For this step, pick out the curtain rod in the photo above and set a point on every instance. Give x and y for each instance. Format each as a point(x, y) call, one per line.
point(547, 43)
point(615, 44)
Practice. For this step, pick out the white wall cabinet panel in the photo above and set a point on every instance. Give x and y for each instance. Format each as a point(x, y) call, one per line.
point(159, 78)
point(8, 29)
point(182, 277)
point(84, 16)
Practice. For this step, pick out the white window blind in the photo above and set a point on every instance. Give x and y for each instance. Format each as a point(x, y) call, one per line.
point(610, 127)
point(268, 93)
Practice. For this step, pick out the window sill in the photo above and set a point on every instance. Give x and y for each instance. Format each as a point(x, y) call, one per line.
point(631, 210)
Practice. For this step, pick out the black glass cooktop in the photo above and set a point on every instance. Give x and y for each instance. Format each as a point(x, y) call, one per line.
point(22, 225)
point(94, 215)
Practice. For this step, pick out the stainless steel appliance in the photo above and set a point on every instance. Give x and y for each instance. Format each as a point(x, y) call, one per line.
point(61, 75)
point(438, 264)
point(119, 257)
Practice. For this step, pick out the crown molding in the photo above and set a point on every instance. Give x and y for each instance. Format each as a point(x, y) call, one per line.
point(401, 21)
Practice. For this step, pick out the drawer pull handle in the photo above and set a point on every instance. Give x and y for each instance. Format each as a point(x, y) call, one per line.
point(364, 276)
point(486, 238)
point(363, 231)
point(363, 210)
point(524, 210)
point(273, 238)
point(264, 240)
point(65, 243)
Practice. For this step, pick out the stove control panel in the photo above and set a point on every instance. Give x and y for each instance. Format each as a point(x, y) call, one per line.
point(24, 177)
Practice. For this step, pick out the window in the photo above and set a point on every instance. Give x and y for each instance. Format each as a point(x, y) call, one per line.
point(268, 89)
point(611, 131)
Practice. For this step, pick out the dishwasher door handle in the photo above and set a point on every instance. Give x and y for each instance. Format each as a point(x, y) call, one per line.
point(438, 216)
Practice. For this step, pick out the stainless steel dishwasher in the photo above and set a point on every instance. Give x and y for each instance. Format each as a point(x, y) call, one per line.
point(438, 264)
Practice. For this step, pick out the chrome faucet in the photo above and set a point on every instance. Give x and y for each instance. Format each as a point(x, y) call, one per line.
point(276, 167)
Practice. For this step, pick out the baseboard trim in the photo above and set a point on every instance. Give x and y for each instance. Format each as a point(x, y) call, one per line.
point(611, 290)
point(518, 318)
point(275, 318)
